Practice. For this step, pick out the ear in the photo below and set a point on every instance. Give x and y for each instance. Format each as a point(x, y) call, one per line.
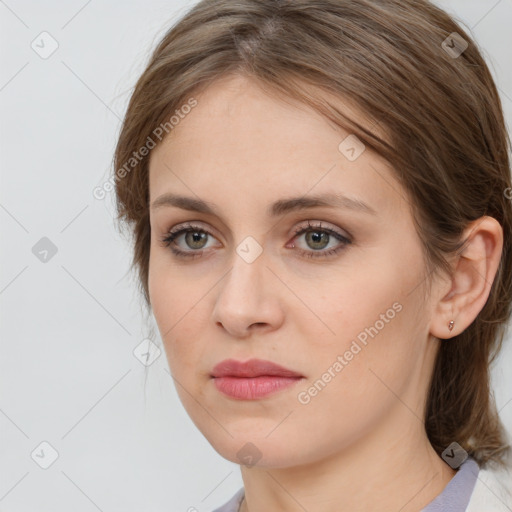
point(474, 270)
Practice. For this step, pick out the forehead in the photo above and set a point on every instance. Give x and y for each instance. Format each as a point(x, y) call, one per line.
point(237, 113)
point(241, 140)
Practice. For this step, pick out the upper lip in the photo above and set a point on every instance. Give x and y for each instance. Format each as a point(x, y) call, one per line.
point(251, 368)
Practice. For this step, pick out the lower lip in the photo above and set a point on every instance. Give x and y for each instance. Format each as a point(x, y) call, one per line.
point(253, 388)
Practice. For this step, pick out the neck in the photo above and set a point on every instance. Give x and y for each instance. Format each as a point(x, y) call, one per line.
point(405, 475)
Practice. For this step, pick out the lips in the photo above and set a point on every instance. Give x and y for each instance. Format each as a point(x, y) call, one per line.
point(253, 380)
point(252, 368)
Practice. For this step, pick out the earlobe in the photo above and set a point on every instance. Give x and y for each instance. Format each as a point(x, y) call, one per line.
point(474, 270)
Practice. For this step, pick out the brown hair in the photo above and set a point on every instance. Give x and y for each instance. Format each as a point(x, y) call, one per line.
point(447, 143)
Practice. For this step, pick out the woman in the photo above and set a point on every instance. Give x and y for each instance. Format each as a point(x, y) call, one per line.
point(318, 193)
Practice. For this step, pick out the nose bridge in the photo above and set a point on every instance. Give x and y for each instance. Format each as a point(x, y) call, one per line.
point(246, 295)
point(248, 269)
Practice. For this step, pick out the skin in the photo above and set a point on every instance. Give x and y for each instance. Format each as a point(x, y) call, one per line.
point(360, 443)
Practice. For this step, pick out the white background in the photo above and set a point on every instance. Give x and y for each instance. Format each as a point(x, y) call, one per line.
point(68, 375)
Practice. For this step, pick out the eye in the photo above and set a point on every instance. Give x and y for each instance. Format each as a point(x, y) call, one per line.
point(196, 238)
point(319, 238)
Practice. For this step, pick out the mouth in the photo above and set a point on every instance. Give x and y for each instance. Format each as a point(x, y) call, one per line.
point(253, 379)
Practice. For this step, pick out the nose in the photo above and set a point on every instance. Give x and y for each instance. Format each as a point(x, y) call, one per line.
point(248, 299)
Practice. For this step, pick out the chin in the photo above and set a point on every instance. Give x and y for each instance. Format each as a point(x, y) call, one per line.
point(256, 451)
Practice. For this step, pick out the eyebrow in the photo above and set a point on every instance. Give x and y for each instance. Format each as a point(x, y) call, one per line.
point(276, 209)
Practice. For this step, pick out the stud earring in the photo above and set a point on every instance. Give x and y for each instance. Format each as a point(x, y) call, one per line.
point(450, 325)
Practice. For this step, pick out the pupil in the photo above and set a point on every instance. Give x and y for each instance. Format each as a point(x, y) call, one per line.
point(196, 237)
point(316, 238)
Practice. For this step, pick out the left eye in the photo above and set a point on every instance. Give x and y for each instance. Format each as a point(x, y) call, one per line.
point(317, 237)
point(195, 238)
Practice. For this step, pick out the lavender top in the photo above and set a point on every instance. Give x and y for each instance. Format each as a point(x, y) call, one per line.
point(454, 498)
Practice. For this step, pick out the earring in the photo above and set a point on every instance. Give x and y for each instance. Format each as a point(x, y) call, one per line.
point(450, 325)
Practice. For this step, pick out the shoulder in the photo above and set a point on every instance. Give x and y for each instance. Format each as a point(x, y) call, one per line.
point(233, 504)
point(493, 490)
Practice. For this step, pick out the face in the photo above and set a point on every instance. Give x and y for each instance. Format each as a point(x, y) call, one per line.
point(333, 293)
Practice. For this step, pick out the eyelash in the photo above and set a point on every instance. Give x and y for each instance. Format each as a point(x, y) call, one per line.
point(191, 228)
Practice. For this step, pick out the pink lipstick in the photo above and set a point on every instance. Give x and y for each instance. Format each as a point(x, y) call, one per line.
point(253, 379)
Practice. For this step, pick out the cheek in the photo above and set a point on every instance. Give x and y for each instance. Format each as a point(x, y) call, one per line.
point(353, 383)
point(173, 306)
point(373, 328)
point(350, 305)
point(171, 297)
